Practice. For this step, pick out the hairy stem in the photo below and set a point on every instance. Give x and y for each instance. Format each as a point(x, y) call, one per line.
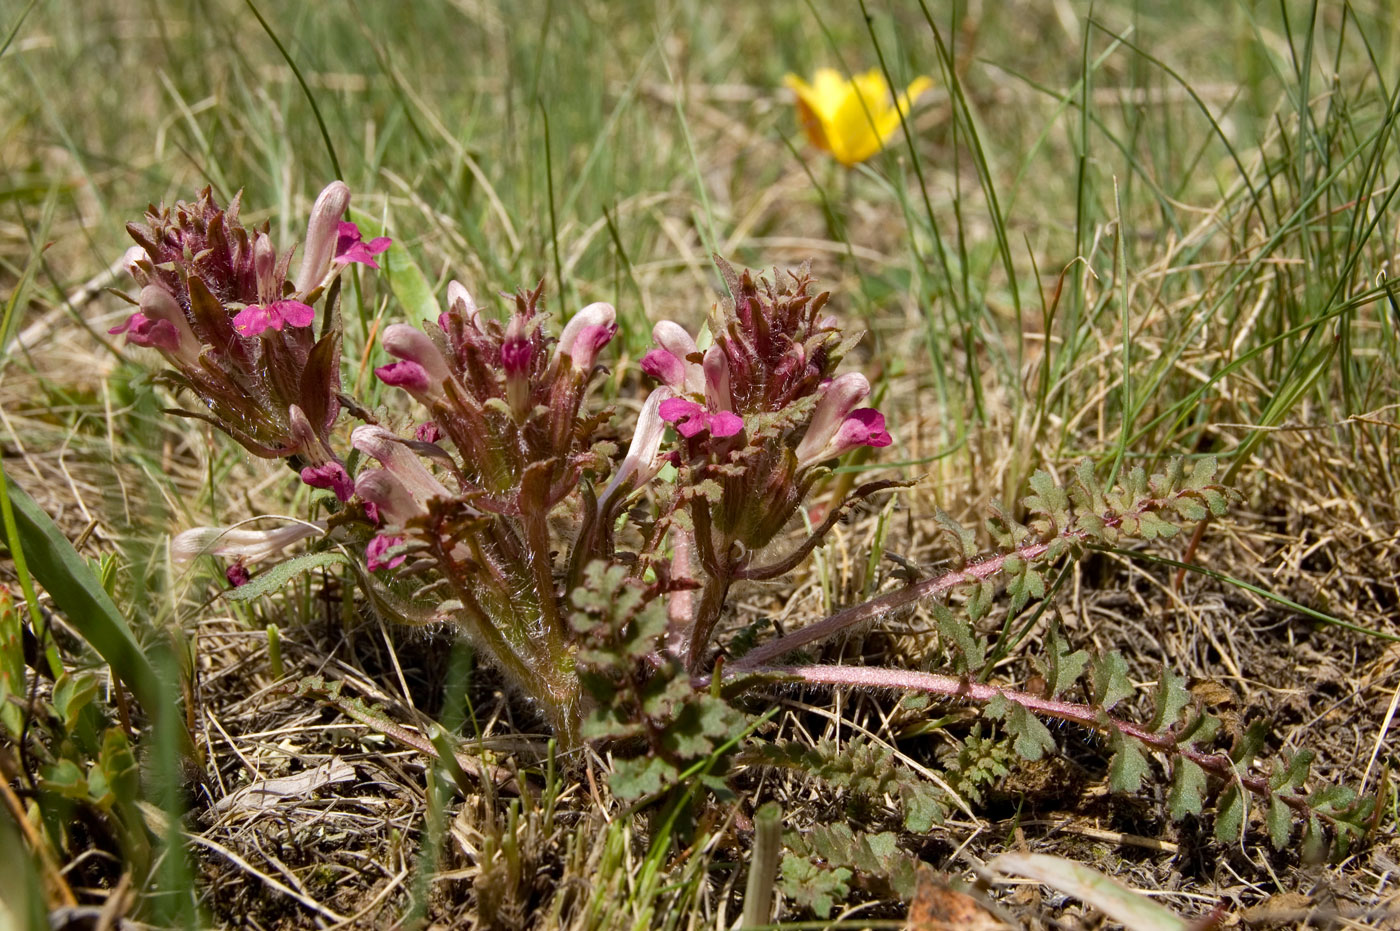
point(707, 615)
point(978, 571)
point(878, 607)
point(1086, 715)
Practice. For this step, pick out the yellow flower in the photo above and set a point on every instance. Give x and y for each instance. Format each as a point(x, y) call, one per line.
point(835, 119)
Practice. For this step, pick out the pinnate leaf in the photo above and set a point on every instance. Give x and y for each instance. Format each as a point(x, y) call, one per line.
point(969, 651)
point(1030, 738)
point(1110, 680)
point(1168, 700)
point(1128, 766)
point(963, 539)
point(813, 886)
point(1188, 789)
point(1060, 667)
point(633, 779)
point(1229, 815)
point(1202, 473)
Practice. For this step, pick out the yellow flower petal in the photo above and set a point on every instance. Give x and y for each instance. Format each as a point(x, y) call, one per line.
point(852, 129)
point(851, 118)
point(809, 108)
point(831, 90)
point(890, 118)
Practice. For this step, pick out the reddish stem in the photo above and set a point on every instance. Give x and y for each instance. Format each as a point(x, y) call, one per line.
point(876, 607)
point(973, 572)
point(1085, 715)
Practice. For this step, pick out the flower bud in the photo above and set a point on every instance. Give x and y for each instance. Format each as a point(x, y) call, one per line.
point(132, 260)
point(642, 461)
point(586, 334)
point(322, 232)
point(516, 353)
point(459, 301)
point(241, 543)
point(400, 461)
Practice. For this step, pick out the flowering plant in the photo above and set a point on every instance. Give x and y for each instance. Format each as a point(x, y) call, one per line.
point(217, 304)
point(852, 118)
point(594, 585)
point(506, 493)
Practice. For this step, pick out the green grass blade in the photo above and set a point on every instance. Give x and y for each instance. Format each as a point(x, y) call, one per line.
point(77, 592)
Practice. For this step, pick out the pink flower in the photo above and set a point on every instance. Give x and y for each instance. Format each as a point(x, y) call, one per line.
point(586, 333)
point(403, 465)
point(423, 368)
point(330, 475)
point(322, 233)
point(153, 334)
point(237, 574)
point(691, 419)
point(254, 319)
point(349, 247)
point(837, 427)
point(160, 324)
point(671, 364)
point(461, 302)
point(427, 432)
point(378, 547)
point(390, 500)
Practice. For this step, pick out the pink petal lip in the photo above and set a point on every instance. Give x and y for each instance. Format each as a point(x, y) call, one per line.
point(725, 423)
point(690, 419)
point(294, 313)
point(375, 550)
point(350, 247)
point(142, 330)
point(663, 365)
point(331, 475)
point(135, 320)
point(674, 409)
point(254, 319)
point(865, 427)
point(407, 375)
